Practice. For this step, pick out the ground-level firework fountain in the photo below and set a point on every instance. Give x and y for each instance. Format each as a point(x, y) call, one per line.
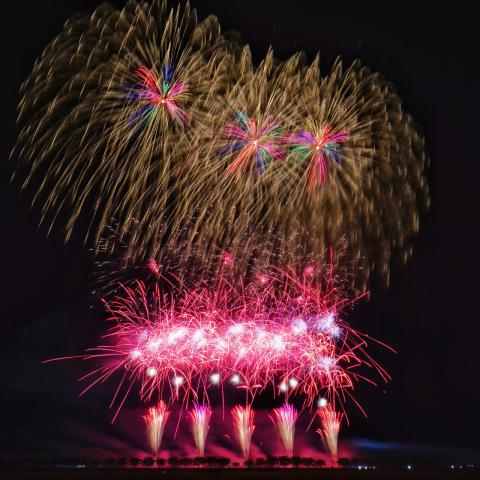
point(200, 418)
point(284, 419)
point(156, 419)
point(329, 430)
point(243, 426)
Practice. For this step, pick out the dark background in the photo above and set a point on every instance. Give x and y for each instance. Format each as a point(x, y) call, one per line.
point(429, 314)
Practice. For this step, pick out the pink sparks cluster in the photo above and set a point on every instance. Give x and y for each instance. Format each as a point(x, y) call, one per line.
point(286, 334)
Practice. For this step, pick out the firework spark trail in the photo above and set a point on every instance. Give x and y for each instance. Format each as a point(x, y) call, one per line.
point(284, 420)
point(329, 430)
point(243, 426)
point(156, 419)
point(200, 417)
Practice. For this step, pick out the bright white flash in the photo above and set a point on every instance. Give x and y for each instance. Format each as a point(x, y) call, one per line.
point(322, 402)
point(293, 382)
point(327, 324)
point(177, 380)
point(152, 371)
point(278, 343)
point(136, 353)
point(176, 334)
point(326, 363)
point(299, 327)
point(235, 329)
point(153, 345)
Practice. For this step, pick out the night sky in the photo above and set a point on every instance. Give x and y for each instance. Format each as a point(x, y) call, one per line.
point(429, 313)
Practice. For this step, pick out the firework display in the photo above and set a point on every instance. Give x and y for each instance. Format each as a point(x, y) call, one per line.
point(104, 113)
point(243, 425)
point(156, 419)
point(329, 430)
point(236, 212)
point(150, 119)
point(200, 417)
point(253, 140)
point(285, 333)
point(284, 420)
point(317, 146)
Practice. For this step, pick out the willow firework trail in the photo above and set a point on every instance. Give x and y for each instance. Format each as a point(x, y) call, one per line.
point(105, 113)
point(330, 427)
point(127, 118)
point(200, 418)
point(284, 419)
point(243, 418)
point(156, 419)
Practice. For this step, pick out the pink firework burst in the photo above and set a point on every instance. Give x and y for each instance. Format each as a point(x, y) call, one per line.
point(315, 145)
point(160, 95)
point(153, 267)
point(156, 419)
point(285, 333)
point(253, 141)
point(284, 419)
point(243, 426)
